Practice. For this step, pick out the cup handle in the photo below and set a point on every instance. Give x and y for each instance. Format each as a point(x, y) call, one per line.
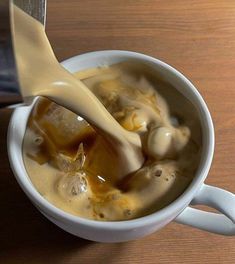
point(217, 198)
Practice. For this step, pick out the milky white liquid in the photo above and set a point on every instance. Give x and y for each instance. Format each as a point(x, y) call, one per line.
point(41, 74)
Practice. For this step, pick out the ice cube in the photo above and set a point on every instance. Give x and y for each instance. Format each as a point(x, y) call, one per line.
point(66, 163)
point(73, 184)
point(62, 125)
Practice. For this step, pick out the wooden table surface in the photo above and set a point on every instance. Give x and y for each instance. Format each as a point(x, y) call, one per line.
point(195, 36)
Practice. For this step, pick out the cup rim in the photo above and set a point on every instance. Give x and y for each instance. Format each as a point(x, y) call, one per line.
point(178, 204)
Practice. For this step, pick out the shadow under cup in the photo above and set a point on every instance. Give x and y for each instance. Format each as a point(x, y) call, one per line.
point(119, 231)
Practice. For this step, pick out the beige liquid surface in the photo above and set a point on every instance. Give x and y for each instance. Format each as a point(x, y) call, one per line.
point(139, 150)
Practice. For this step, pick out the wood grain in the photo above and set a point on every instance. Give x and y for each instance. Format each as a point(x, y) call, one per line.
point(195, 36)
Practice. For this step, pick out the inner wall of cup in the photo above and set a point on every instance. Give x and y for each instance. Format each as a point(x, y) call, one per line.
point(19, 125)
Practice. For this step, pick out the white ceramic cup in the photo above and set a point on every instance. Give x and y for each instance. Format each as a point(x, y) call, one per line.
point(179, 210)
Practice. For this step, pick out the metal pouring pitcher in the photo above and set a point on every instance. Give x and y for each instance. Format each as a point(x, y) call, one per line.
point(9, 84)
